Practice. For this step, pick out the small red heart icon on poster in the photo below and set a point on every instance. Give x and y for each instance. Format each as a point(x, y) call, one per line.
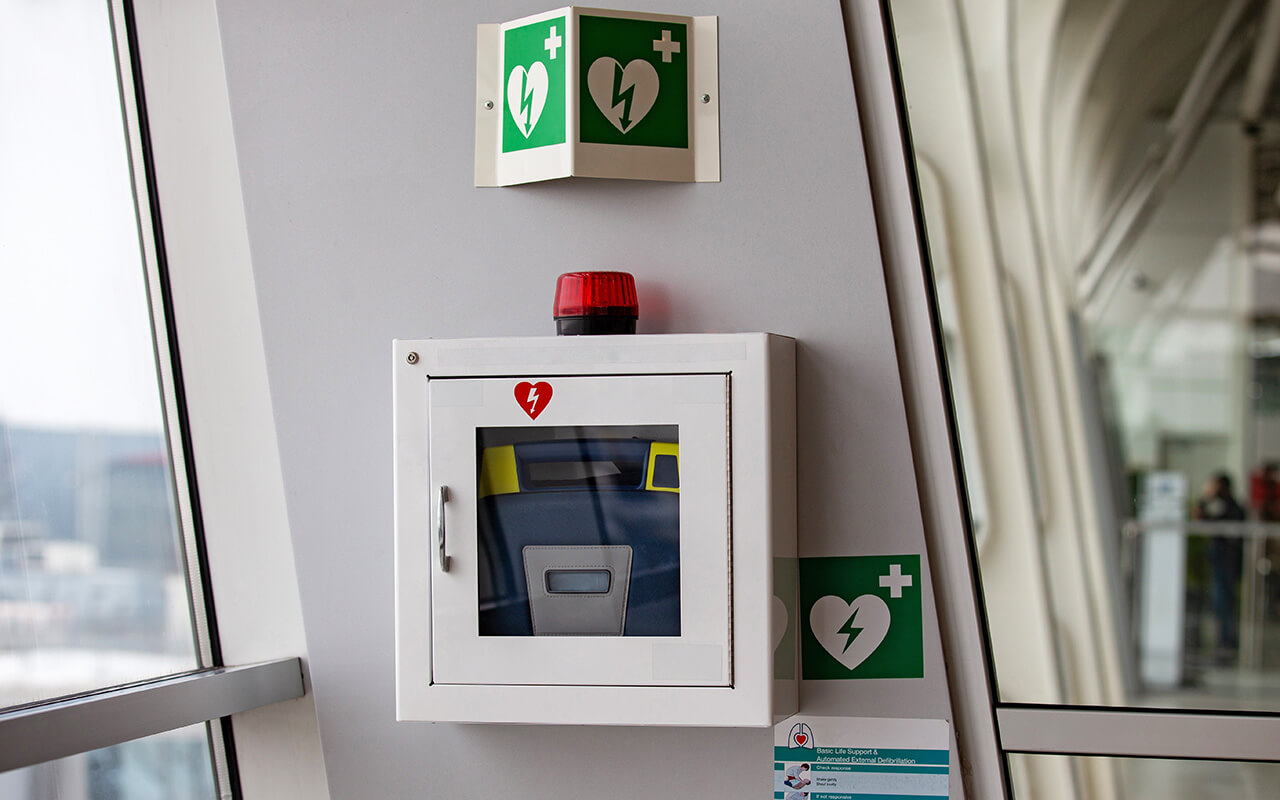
point(533, 397)
point(801, 738)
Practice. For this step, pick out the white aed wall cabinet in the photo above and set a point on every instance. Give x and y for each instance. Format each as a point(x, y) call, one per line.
point(596, 530)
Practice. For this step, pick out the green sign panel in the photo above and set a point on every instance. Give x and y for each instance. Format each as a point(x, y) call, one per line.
point(533, 58)
point(634, 82)
point(861, 617)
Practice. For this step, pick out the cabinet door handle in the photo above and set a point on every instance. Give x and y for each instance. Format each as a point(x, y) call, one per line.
point(440, 501)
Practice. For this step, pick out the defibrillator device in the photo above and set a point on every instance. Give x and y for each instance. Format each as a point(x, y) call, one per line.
point(580, 536)
point(596, 529)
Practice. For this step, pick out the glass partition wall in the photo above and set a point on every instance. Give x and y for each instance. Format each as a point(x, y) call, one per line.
point(1100, 183)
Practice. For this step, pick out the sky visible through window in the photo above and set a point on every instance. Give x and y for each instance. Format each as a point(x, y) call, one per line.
point(73, 296)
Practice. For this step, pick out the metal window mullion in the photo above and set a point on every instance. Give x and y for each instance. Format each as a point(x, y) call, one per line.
point(168, 369)
point(45, 731)
point(1131, 733)
point(913, 310)
point(164, 348)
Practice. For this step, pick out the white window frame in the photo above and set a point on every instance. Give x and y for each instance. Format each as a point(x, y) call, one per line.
point(231, 429)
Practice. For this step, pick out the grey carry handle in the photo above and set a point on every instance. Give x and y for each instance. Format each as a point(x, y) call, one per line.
point(441, 499)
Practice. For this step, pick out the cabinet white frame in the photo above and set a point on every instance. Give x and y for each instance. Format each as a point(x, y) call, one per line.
point(700, 655)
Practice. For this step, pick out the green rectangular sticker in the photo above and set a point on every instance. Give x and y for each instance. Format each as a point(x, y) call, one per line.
point(861, 617)
point(634, 82)
point(533, 59)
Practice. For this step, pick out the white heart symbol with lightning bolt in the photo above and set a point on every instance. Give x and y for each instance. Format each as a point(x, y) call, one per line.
point(527, 95)
point(850, 632)
point(623, 94)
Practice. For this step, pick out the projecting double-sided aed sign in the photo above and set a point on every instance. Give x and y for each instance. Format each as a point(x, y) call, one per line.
point(597, 93)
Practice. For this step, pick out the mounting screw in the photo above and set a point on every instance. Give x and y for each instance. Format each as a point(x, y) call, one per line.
point(706, 98)
point(413, 358)
point(488, 105)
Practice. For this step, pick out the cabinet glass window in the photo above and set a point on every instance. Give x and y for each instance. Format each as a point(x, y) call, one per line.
point(579, 530)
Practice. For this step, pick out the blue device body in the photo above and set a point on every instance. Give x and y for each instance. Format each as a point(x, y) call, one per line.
point(583, 493)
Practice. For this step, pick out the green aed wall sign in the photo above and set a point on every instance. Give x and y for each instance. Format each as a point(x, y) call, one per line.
point(597, 93)
point(861, 617)
point(634, 81)
point(533, 58)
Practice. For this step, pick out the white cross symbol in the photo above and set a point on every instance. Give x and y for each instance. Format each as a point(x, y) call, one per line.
point(895, 580)
point(666, 46)
point(552, 43)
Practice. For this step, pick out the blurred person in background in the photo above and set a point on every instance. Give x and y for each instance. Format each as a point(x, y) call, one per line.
point(1217, 503)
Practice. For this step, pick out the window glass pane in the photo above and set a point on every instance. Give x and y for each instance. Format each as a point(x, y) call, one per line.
point(1095, 778)
point(1105, 242)
point(169, 766)
point(92, 586)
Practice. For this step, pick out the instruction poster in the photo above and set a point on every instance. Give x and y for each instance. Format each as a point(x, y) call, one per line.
point(860, 758)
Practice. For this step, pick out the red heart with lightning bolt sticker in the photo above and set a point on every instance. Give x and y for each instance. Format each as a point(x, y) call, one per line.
point(533, 397)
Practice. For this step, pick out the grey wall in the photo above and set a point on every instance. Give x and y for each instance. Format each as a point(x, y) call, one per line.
point(354, 127)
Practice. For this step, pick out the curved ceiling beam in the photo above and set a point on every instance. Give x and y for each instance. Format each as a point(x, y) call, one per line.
point(1085, 29)
point(1262, 69)
point(1116, 64)
point(1226, 47)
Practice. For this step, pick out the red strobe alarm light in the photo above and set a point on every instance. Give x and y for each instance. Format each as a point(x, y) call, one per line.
point(596, 303)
